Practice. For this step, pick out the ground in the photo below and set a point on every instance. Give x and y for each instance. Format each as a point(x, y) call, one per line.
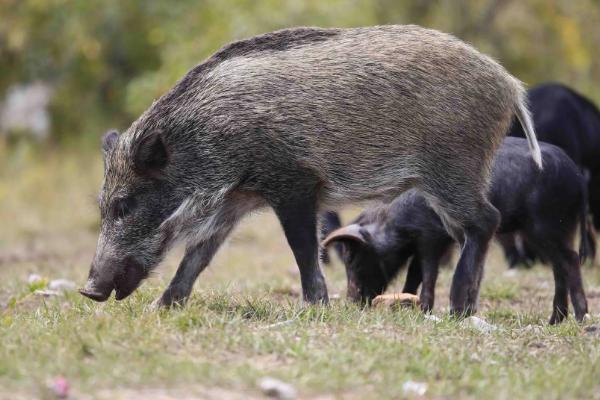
point(245, 320)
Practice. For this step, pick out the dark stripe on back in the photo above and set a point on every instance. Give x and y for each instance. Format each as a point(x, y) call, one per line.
point(273, 41)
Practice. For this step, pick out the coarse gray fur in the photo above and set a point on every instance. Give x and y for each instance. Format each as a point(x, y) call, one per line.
point(303, 120)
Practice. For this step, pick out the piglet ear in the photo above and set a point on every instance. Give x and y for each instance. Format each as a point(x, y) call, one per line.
point(352, 232)
point(150, 153)
point(109, 139)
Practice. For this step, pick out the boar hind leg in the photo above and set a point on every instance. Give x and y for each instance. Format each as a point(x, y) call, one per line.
point(298, 218)
point(560, 304)
point(576, 292)
point(567, 278)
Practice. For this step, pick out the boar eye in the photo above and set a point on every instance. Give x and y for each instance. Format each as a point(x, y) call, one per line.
point(123, 207)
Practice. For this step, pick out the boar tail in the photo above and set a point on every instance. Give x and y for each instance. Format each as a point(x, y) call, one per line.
point(587, 233)
point(524, 117)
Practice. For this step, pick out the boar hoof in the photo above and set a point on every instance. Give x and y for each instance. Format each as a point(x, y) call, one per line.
point(168, 299)
point(160, 304)
point(462, 312)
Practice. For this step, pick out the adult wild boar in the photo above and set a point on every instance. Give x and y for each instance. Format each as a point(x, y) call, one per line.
point(303, 120)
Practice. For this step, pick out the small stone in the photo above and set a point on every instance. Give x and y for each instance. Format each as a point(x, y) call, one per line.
point(62, 285)
point(34, 278)
point(510, 273)
point(433, 318)
point(479, 324)
point(396, 300)
point(277, 389)
point(414, 388)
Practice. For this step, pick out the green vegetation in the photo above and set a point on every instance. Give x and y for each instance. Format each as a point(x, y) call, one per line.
point(220, 340)
point(108, 60)
point(245, 320)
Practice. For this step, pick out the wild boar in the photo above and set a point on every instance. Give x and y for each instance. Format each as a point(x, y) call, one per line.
point(543, 206)
point(567, 119)
point(303, 120)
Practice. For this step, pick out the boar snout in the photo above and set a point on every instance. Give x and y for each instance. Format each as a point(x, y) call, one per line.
point(96, 288)
point(94, 294)
point(126, 277)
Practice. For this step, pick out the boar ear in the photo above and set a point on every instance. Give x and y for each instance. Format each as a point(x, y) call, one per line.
point(109, 139)
point(150, 153)
point(353, 232)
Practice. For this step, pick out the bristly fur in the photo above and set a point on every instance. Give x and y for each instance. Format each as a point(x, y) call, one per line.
point(332, 116)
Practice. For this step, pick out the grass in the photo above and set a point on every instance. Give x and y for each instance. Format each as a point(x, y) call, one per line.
point(245, 321)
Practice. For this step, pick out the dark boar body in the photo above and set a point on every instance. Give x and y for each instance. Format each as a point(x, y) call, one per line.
point(545, 207)
point(303, 120)
point(566, 119)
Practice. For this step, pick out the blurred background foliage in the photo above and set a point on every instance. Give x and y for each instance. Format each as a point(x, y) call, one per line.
point(105, 61)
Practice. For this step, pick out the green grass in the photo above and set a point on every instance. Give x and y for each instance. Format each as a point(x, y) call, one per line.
point(245, 321)
point(499, 291)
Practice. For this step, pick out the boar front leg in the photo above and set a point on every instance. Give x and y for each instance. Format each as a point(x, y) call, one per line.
point(414, 276)
point(298, 218)
point(195, 260)
point(423, 269)
point(429, 266)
